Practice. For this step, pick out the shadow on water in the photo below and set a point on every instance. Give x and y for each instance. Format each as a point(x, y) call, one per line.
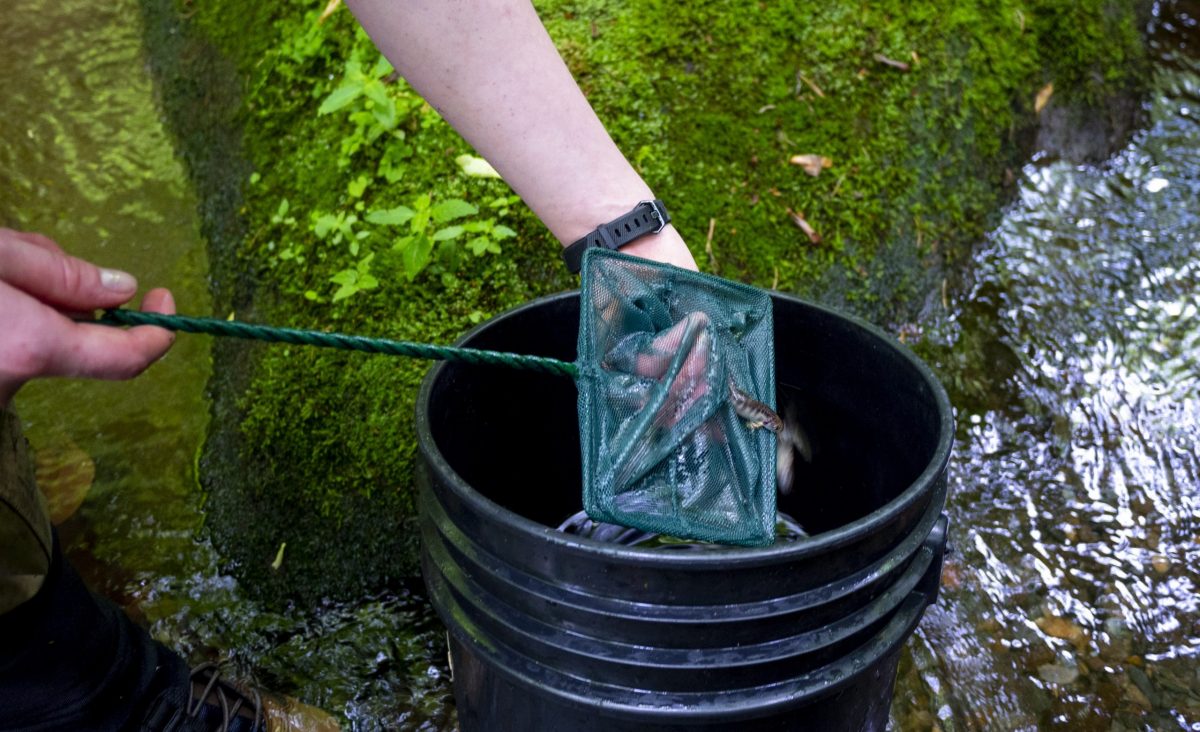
point(1072, 601)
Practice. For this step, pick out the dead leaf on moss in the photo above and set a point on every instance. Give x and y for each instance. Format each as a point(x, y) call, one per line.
point(1043, 96)
point(812, 164)
point(799, 220)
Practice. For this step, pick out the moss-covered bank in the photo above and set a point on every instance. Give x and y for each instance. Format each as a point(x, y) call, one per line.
point(305, 149)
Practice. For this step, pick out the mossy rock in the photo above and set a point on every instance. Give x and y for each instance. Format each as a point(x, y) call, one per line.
point(924, 112)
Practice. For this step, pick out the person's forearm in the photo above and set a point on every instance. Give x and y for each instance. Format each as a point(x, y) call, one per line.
point(489, 67)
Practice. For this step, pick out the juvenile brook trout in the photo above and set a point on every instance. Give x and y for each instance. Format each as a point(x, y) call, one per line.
point(790, 438)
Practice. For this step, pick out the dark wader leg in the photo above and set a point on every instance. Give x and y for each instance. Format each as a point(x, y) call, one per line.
point(69, 660)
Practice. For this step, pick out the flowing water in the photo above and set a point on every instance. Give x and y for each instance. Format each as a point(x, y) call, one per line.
point(1072, 598)
point(1070, 601)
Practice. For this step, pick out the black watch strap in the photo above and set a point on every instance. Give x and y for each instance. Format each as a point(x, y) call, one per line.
point(648, 217)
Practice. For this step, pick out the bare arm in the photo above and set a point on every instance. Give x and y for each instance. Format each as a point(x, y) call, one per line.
point(490, 68)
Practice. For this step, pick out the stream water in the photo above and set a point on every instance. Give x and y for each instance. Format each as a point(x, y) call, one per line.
point(1070, 601)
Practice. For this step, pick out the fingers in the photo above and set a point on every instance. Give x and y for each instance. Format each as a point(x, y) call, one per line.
point(105, 352)
point(32, 237)
point(36, 265)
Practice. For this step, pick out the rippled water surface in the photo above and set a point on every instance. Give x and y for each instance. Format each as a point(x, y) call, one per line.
point(1071, 598)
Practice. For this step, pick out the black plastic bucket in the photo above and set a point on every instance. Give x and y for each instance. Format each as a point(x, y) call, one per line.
point(550, 631)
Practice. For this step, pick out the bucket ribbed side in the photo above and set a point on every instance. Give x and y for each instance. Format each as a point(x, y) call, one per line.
point(551, 631)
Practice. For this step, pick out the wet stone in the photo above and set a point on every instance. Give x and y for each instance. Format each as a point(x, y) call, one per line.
point(1142, 681)
point(1057, 673)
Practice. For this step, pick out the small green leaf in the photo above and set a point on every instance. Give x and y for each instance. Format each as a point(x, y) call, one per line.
point(452, 208)
point(345, 277)
point(447, 233)
point(367, 282)
point(476, 167)
point(357, 186)
point(340, 97)
point(354, 70)
point(416, 256)
point(385, 115)
point(421, 219)
point(502, 232)
point(382, 67)
point(255, 177)
point(377, 92)
point(476, 316)
point(391, 216)
point(344, 292)
point(311, 295)
point(481, 244)
point(324, 224)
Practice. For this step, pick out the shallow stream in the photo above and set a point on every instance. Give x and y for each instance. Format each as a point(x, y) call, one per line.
point(1071, 599)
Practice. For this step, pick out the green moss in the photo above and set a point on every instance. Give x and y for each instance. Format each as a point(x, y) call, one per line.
point(317, 449)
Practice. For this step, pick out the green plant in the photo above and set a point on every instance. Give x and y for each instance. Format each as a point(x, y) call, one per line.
point(429, 227)
point(338, 227)
point(371, 107)
point(354, 280)
point(282, 219)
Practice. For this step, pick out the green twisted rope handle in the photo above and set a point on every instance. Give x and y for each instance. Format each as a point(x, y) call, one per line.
point(250, 331)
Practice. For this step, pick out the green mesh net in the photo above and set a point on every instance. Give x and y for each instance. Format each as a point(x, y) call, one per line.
point(673, 364)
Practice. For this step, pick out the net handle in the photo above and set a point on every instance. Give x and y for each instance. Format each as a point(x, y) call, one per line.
point(321, 339)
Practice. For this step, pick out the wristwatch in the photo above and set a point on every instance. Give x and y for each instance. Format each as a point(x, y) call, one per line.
point(648, 217)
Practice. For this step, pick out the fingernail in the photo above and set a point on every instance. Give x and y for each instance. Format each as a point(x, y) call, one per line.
point(116, 280)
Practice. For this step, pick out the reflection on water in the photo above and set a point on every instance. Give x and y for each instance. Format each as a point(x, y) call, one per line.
point(1073, 598)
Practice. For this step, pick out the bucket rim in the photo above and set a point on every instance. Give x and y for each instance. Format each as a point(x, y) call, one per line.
point(724, 556)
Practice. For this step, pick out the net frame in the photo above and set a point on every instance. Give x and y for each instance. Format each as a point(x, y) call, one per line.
point(663, 449)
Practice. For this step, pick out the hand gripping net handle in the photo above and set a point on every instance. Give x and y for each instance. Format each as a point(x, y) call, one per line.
point(250, 331)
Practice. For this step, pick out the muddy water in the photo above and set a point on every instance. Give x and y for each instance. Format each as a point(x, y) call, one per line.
point(1072, 599)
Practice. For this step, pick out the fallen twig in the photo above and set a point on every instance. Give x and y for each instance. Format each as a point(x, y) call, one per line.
point(712, 260)
point(811, 85)
point(799, 220)
point(838, 186)
point(329, 10)
point(891, 62)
